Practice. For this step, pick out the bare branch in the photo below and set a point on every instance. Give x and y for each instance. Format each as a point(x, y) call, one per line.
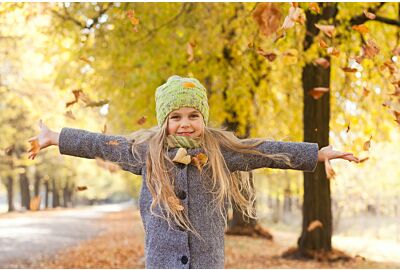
point(360, 19)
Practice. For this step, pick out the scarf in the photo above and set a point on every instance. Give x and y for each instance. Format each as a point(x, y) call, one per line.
point(174, 141)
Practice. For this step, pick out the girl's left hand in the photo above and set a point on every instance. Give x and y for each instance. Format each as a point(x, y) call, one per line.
point(328, 153)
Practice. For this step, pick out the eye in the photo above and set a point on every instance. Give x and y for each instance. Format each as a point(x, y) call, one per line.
point(194, 115)
point(174, 117)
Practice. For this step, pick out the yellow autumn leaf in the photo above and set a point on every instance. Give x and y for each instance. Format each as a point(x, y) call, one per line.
point(182, 156)
point(330, 173)
point(313, 225)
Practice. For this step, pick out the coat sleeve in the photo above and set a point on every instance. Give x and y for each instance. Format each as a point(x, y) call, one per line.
point(303, 156)
point(85, 144)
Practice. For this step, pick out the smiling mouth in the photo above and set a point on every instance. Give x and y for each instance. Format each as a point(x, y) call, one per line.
point(185, 133)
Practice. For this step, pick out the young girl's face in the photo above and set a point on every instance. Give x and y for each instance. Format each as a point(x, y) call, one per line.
point(185, 122)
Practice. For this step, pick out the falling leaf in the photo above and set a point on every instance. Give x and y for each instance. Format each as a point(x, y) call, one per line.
point(314, 7)
point(363, 159)
point(362, 28)
point(323, 44)
point(330, 173)
point(323, 62)
point(313, 225)
point(142, 120)
point(182, 156)
point(108, 165)
point(359, 58)
point(199, 161)
point(84, 59)
point(188, 85)
point(396, 92)
point(132, 18)
point(9, 150)
point(250, 45)
point(367, 144)
point(104, 130)
point(268, 17)
point(349, 69)
point(175, 203)
point(370, 49)
point(295, 15)
point(69, 114)
point(270, 56)
point(279, 34)
point(97, 103)
point(366, 92)
point(318, 92)
point(396, 51)
point(369, 15)
point(112, 143)
point(348, 128)
point(35, 147)
point(389, 65)
point(332, 51)
point(397, 116)
point(81, 188)
point(190, 50)
point(328, 30)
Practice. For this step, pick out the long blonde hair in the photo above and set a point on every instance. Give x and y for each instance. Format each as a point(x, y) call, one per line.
point(227, 187)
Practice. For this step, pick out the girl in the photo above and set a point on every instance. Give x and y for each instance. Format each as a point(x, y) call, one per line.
point(188, 173)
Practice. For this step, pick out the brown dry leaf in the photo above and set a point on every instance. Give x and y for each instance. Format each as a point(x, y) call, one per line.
point(97, 103)
point(396, 92)
point(328, 30)
point(104, 130)
point(108, 165)
point(362, 28)
point(314, 7)
point(250, 45)
point(175, 203)
point(313, 225)
point(348, 128)
point(132, 18)
point(330, 173)
point(396, 51)
point(9, 150)
point(182, 156)
point(188, 85)
point(268, 17)
point(366, 92)
point(279, 34)
point(323, 44)
point(359, 58)
point(370, 49)
point(190, 50)
point(69, 114)
point(112, 143)
point(323, 62)
point(35, 147)
point(397, 116)
point(318, 92)
point(142, 120)
point(199, 160)
point(81, 188)
point(270, 56)
point(84, 59)
point(363, 159)
point(369, 15)
point(367, 144)
point(295, 15)
point(349, 69)
point(389, 65)
point(333, 51)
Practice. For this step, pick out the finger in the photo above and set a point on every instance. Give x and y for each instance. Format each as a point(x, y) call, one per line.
point(32, 139)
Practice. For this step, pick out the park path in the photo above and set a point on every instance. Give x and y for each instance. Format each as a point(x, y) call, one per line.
point(31, 236)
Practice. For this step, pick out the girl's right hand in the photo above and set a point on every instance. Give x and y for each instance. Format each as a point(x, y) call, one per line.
point(45, 139)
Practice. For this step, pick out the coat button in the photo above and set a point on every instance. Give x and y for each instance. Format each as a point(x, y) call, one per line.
point(181, 194)
point(184, 259)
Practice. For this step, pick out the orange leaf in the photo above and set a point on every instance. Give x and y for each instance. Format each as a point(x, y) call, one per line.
point(369, 15)
point(268, 17)
point(367, 144)
point(362, 28)
point(396, 51)
point(188, 85)
point(370, 49)
point(313, 225)
point(35, 147)
point(142, 120)
point(318, 92)
point(332, 51)
point(200, 160)
point(81, 188)
point(397, 115)
point(131, 16)
point(190, 51)
point(328, 30)
point(323, 62)
point(84, 59)
point(295, 15)
point(349, 69)
point(330, 173)
point(270, 56)
point(314, 7)
point(112, 143)
point(323, 44)
point(366, 92)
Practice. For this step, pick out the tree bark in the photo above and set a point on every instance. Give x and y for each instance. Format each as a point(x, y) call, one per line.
point(10, 193)
point(56, 195)
point(24, 190)
point(46, 194)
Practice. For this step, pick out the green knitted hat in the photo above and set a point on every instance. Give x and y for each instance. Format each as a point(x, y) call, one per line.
point(180, 92)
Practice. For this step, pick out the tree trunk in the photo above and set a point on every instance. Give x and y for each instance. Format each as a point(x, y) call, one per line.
point(46, 194)
point(56, 196)
point(24, 190)
point(10, 193)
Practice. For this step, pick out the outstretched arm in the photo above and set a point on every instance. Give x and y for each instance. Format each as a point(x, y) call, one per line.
point(301, 155)
point(81, 143)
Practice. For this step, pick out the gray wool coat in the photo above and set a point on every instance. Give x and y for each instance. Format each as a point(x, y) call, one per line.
point(167, 247)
